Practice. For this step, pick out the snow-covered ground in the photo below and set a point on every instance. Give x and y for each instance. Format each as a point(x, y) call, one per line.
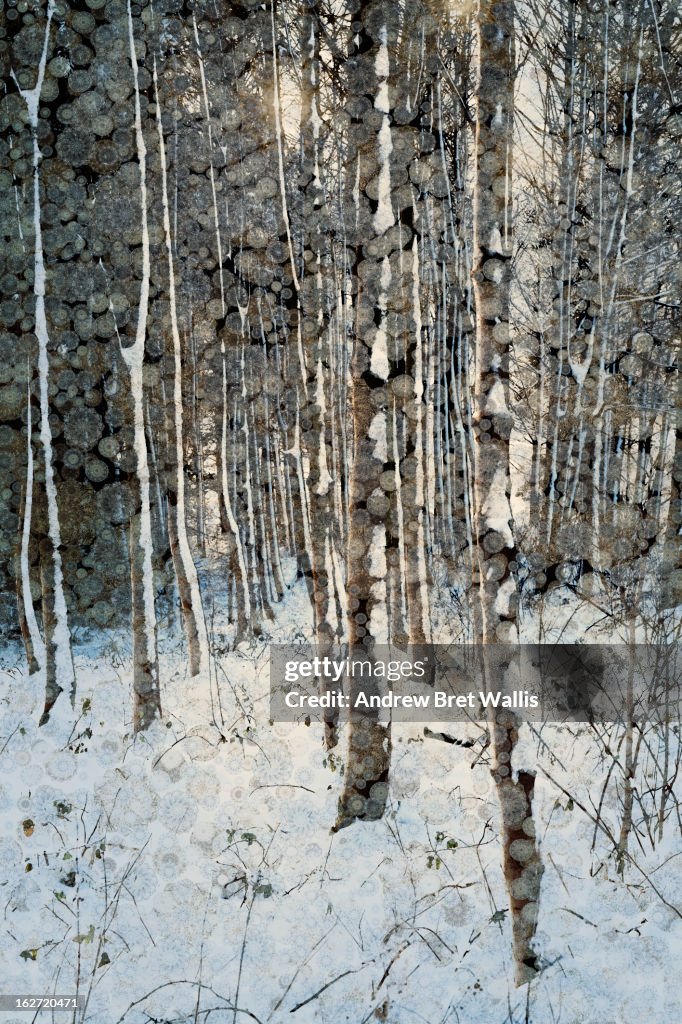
point(190, 874)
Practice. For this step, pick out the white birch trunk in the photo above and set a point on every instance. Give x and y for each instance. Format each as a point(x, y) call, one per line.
point(147, 700)
point(192, 610)
point(243, 597)
point(57, 649)
point(37, 646)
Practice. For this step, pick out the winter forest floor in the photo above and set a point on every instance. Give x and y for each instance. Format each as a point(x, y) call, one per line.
point(190, 874)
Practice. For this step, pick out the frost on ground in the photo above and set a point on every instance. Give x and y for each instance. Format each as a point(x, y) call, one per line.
point(190, 874)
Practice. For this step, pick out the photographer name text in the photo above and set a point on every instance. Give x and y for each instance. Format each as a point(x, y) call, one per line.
point(438, 699)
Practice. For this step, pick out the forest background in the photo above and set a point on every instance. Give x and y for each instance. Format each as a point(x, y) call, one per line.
point(353, 321)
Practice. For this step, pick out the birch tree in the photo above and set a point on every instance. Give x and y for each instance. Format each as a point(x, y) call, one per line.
point(495, 545)
point(317, 394)
point(369, 152)
point(185, 569)
point(146, 689)
point(59, 672)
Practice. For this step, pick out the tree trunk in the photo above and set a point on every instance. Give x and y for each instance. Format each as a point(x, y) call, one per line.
point(52, 684)
point(314, 321)
point(33, 642)
point(146, 692)
point(238, 562)
point(58, 641)
point(365, 788)
point(185, 570)
point(494, 542)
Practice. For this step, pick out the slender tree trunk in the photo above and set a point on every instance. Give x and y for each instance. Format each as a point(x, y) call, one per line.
point(57, 641)
point(26, 631)
point(185, 569)
point(628, 755)
point(243, 597)
point(494, 541)
point(52, 685)
point(316, 344)
point(414, 511)
point(146, 691)
point(33, 641)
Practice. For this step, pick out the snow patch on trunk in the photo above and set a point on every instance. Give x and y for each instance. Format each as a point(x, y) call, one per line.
point(379, 365)
point(495, 512)
point(383, 218)
point(377, 432)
